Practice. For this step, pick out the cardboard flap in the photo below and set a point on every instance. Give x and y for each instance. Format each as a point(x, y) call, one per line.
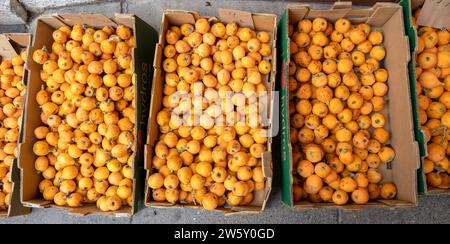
point(267, 190)
point(92, 209)
point(274, 113)
point(242, 210)
point(7, 51)
point(265, 22)
point(303, 205)
point(21, 39)
point(274, 60)
point(36, 203)
point(385, 4)
point(435, 13)
point(382, 12)
point(417, 153)
point(16, 208)
point(148, 152)
point(267, 164)
point(19, 149)
point(179, 17)
point(408, 55)
point(155, 105)
point(436, 191)
point(243, 18)
point(339, 10)
point(415, 4)
point(88, 19)
point(125, 19)
point(52, 20)
point(342, 5)
point(395, 203)
point(158, 56)
point(166, 204)
point(297, 12)
point(259, 198)
point(358, 14)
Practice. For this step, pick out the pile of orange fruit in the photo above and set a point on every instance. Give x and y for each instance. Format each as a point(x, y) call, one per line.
point(86, 144)
point(12, 91)
point(433, 89)
point(204, 156)
point(337, 106)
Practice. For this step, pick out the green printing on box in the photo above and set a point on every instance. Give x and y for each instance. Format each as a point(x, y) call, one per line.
point(420, 137)
point(146, 38)
point(411, 32)
point(286, 151)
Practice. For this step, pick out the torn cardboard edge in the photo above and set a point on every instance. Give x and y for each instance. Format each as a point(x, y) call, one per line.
point(45, 25)
point(257, 21)
point(10, 45)
point(378, 15)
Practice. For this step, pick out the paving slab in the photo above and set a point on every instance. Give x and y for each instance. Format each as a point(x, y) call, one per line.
point(151, 11)
point(12, 13)
point(13, 28)
point(59, 216)
point(37, 6)
point(275, 213)
point(105, 8)
point(431, 210)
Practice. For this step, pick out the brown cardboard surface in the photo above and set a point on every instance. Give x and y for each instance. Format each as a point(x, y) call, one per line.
point(124, 19)
point(12, 44)
point(21, 39)
point(260, 22)
point(416, 4)
point(402, 139)
point(7, 51)
point(243, 18)
point(388, 18)
point(88, 19)
point(30, 195)
point(435, 13)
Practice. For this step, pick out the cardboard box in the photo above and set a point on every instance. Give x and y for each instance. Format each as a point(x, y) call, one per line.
point(256, 21)
point(145, 37)
point(388, 18)
point(12, 44)
point(439, 18)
